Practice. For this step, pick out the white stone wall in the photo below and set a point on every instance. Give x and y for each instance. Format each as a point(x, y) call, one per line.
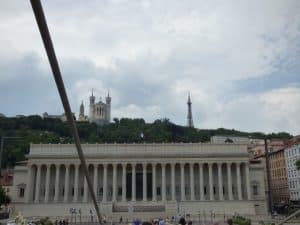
point(20, 176)
point(220, 158)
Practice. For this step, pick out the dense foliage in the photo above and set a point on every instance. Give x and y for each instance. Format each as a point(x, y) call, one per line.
point(4, 198)
point(241, 220)
point(44, 221)
point(34, 129)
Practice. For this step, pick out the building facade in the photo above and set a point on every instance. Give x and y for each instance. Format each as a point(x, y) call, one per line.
point(153, 179)
point(100, 112)
point(292, 154)
point(279, 180)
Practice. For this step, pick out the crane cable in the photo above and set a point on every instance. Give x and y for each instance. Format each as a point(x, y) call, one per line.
point(45, 34)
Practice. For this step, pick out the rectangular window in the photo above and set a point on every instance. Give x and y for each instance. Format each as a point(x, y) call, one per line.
point(255, 190)
point(205, 190)
point(120, 191)
point(100, 191)
point(177, 189)
point(21, 192)
point(187, 190)
point(158, 191)
point(72, 191)
point(110, 191)
point(168, 190)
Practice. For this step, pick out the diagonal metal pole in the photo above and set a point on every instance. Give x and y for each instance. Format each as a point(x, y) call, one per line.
point(42, 24)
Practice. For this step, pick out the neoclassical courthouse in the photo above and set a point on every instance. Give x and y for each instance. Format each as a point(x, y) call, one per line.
point(149, 179)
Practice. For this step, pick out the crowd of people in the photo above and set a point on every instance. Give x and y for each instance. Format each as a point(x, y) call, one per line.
point(61, 222)
point(178, 220)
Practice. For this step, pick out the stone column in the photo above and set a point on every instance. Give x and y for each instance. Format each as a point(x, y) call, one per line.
point(230, 197)
point(220, 182)
point(104, 199)
point(85, 189)
point(47, 185)
point(201, 186)
point(124, 182)
point(29, 184)
point(67, 181)
point(114, 194)
point(239, 187)
point(248, 181)
point(192, 182)
point(182, 182)
point(96, 180)
point(133, 185)
point(38, 184)
point(154, 182)
point(173, 181)
point(76, 180)
point(210, 177)
point(56, 190)
point(163, 181)
point(144, 182)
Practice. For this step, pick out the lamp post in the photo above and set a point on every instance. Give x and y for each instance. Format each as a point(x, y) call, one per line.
point(2, 148)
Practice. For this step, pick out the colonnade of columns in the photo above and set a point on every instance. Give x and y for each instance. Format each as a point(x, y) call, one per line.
point(207, 181)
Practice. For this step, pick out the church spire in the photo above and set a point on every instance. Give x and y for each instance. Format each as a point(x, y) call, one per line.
point(189, 115)
point(81, 110)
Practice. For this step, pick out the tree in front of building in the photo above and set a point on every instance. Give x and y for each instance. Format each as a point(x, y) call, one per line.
point(4, 198)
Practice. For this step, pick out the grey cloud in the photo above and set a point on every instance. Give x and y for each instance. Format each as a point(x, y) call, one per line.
point(150, 54)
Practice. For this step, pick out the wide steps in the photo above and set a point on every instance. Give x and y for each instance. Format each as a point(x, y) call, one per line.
point(139, 208)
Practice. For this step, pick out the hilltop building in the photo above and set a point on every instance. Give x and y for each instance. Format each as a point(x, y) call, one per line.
point(99, 112)
point(61, 117)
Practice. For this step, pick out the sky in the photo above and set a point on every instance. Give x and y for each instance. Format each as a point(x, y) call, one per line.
point(240, 60)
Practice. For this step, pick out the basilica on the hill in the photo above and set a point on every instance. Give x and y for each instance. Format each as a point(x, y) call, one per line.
point(99, 112)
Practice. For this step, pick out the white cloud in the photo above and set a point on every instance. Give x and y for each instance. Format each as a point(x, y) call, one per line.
point(275, 110)
point(150, 54)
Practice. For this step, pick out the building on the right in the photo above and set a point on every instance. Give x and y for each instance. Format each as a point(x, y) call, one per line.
point(292, 154)
point(279, 189)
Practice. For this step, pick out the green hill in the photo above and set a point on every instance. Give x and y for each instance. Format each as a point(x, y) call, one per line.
point(34, 129)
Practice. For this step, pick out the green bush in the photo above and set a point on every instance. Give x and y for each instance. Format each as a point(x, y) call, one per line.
point(241, 220)
point(44, 221)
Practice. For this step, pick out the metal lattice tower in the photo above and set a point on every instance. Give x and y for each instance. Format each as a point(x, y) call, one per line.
point(189, 115)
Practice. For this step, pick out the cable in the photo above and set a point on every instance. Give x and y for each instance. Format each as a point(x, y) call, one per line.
point(42, 24)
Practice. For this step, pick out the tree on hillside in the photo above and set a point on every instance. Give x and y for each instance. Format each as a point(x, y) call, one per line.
point(4, 198)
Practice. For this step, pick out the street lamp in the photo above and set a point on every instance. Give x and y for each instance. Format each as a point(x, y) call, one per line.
point(1, 148)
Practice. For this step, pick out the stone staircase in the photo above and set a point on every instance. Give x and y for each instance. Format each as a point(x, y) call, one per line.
point(138, 208)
